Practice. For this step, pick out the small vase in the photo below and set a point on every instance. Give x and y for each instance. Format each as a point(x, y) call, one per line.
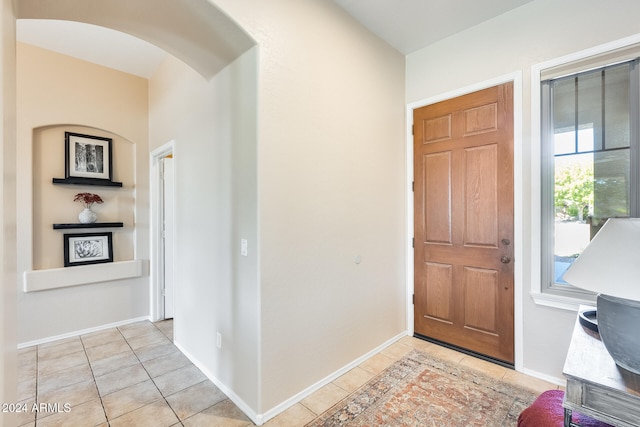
point(87, 216)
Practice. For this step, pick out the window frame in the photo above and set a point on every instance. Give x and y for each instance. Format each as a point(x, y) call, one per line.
point(543, 290)
point(548, 170)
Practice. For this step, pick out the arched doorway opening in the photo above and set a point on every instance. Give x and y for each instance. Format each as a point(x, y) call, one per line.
point(196, 32)
point(216, 41)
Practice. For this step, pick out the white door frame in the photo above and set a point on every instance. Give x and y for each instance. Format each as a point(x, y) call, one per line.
point(168, 212)
point(518, 187)
point(157, 245)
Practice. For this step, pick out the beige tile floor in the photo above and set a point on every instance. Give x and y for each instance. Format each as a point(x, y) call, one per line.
point(133, 375)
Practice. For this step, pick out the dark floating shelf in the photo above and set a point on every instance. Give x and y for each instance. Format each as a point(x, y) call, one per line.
point(87, 181)
point(91, 225)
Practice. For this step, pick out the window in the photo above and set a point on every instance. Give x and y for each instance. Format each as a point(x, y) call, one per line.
point(589, 153)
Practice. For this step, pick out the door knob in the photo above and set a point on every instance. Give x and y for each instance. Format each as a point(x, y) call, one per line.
point(505, 259)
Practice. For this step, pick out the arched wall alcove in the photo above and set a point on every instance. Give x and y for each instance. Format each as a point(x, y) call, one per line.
point(196, 32)
point(53, 203)
point(58, 94)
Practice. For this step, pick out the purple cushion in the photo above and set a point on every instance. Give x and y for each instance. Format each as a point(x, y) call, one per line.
point(547, 411)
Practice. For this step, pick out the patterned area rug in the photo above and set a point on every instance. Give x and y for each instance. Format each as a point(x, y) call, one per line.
point(419, 390)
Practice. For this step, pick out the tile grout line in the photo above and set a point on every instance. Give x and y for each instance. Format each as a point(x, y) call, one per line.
point(148, 373)
point(141, 364)
point(94, 379)
point(139, 361)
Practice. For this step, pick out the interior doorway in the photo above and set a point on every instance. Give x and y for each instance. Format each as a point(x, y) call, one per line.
point(163, 232)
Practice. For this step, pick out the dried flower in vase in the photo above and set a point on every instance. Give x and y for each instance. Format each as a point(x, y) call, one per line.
point(88, 199)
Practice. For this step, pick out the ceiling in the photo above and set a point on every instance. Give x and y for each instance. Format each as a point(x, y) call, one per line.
point(407, 25)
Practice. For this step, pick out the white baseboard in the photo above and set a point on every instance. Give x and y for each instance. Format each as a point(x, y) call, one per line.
point(80, 332)
point(259, 419)
point(548, 378)
point(328, 379)
point(241, 404)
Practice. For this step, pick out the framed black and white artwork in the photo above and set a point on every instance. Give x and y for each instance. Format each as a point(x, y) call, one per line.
point(87, 248)
point(88, 156)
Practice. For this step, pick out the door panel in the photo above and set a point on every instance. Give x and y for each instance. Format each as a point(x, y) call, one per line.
point(481, 119)
point(481, 291)
point(437, 129)
point(463, 198)
point(438, 295)
point(480, 192)
point(437, 177)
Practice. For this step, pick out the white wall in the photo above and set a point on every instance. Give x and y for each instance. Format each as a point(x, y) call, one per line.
point(8, 370)
point(536, 32)
point(60, 92)
point(331, 187)
point(213, 128)
point(316, 183)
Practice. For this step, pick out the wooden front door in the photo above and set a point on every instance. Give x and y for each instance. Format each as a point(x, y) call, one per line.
point(463, 201)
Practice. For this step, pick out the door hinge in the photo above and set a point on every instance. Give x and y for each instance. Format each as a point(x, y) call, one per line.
point(413, 186)
point(413, 299)
point(413, 242)
point(413, 129)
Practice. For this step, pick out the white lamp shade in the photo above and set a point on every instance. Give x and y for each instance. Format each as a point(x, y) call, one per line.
point(610, 264)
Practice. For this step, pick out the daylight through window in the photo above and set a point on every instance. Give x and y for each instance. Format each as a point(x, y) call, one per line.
point(589, 152)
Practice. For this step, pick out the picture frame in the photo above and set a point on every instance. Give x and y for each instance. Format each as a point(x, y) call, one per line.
point(88, 157)
point(88, 248)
